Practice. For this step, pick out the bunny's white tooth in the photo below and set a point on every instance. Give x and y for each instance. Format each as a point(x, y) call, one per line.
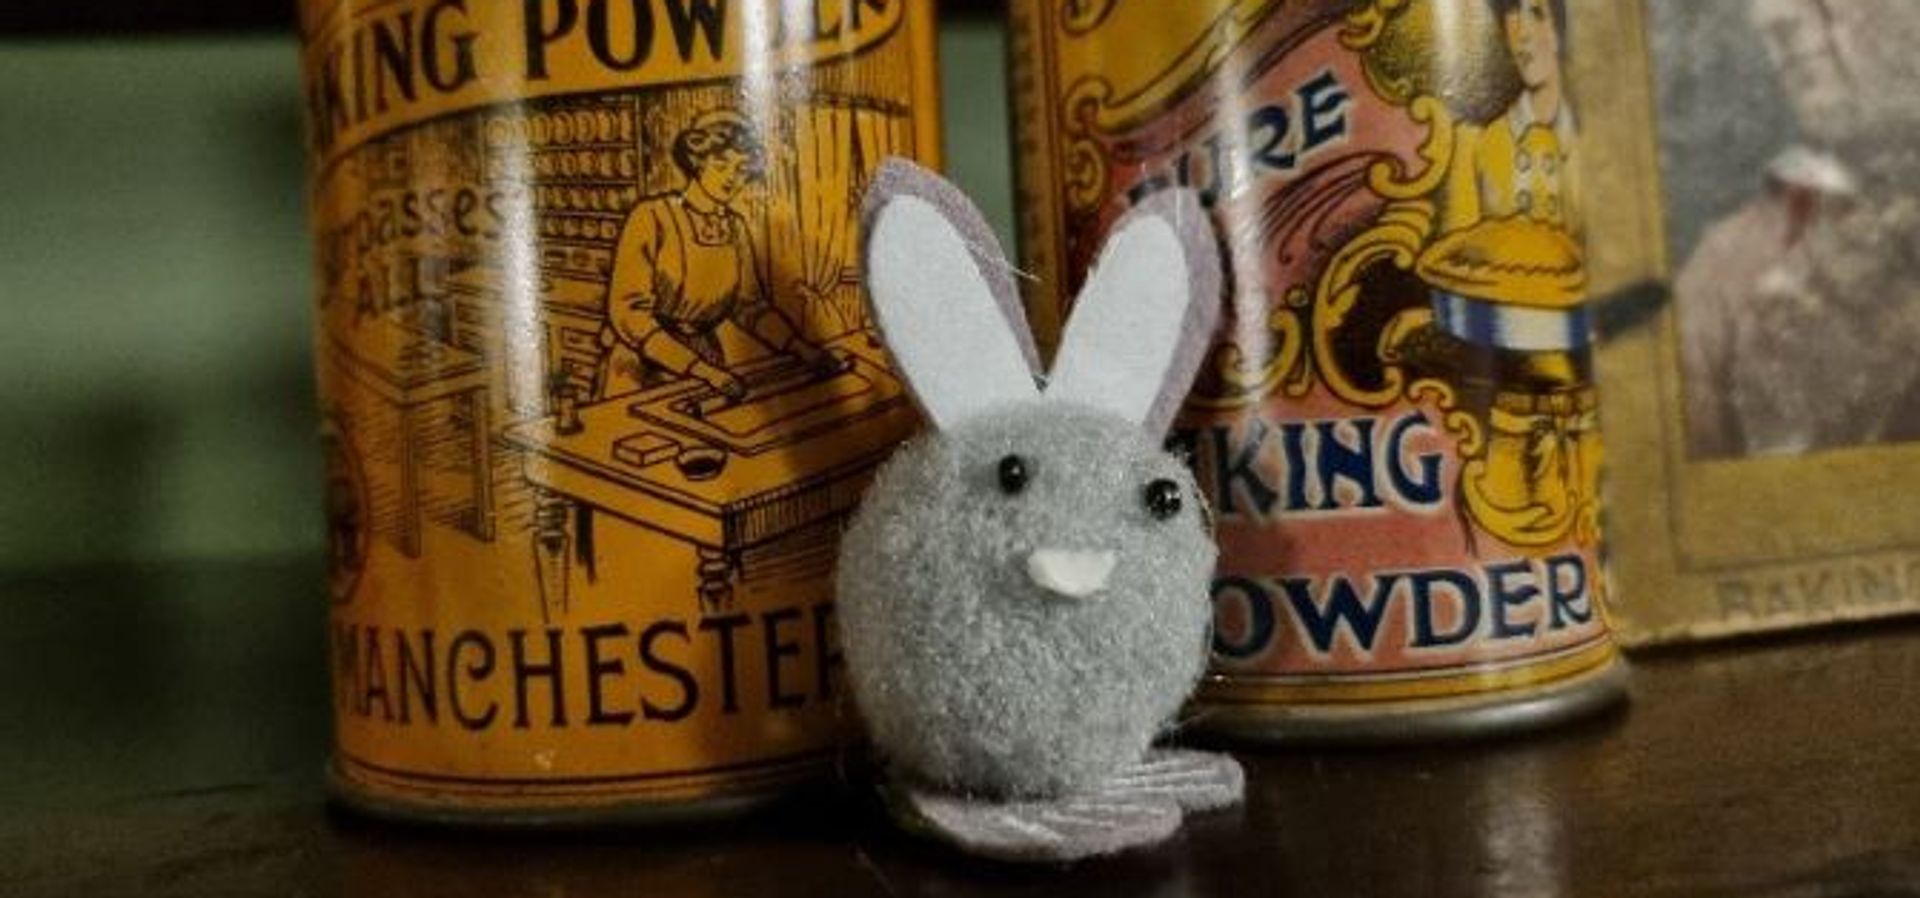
point(1070, 573)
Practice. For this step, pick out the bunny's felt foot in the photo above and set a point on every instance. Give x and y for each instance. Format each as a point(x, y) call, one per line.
point(1139, 807)
point(1061, 829)
point(1191, 780)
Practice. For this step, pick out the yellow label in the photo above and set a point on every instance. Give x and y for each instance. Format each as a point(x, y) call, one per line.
point(599, 383)
point(376, 66)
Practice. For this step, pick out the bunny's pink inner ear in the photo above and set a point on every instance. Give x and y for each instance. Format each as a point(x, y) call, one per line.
point(1146, 317)
point(931, 267)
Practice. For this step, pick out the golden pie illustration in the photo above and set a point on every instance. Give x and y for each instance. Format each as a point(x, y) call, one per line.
point(1507, 261)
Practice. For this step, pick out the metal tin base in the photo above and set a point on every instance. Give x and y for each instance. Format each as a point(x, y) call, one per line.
point(1434, 720)
point(350, 795)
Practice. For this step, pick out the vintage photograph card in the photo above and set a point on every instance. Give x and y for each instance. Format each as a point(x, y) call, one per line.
point(1762, 413)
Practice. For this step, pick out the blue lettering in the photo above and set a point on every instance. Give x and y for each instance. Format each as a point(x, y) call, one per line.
point(1325, 103)
point(1339, 461)
point(1327, 465)
point(1567, 597)
point(1210, 184)
point(1234, 465)
point(1427, 585)
point(1508, 595)
point(1270, 151)
point(1259, 606)
point(1293, 436)
point(1343, 606)
point(1277, 137)
point(1423, 489)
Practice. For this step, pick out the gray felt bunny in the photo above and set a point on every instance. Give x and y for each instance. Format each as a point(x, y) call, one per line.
point(1024, 591)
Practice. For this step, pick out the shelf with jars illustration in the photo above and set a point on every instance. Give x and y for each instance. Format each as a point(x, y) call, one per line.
point(582, 174)
point(606, 125)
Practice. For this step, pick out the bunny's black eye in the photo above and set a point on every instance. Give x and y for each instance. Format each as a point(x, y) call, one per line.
point(1013, 475)
point(1163, 498)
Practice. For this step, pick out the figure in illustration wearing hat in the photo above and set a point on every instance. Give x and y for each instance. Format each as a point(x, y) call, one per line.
point(684, 266)
point(1508, 282)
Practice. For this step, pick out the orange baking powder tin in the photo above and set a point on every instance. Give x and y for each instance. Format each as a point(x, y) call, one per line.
point(1397, 428)
point(599, 389)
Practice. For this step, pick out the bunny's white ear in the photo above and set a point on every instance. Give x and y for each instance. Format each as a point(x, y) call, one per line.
point(1146, 316)
point(943, 297)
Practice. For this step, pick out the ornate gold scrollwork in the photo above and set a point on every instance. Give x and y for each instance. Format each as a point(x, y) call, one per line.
point(1390, 178)
point(1279, 365)
point(1463, 425)
point(1086, 166)
point(1529, 472)
point(1396, 239)
point(1528, 461)
point(1303, 328)
point(1367, 28)
point(1538, 479)
point(1078, 17)
point(1097, 107)
point(1366, 24)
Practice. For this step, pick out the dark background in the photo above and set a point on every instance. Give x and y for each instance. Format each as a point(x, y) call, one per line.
point(135, 16)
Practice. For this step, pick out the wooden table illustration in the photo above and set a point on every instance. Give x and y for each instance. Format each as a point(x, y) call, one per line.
point(722, 474)
point(408, 370)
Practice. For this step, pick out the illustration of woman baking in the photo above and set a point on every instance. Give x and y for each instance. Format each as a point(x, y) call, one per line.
point(684, 265)
point(1521, 162)
point(1508, 281)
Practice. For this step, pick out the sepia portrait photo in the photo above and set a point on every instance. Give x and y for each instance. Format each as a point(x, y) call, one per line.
point(1787, 138)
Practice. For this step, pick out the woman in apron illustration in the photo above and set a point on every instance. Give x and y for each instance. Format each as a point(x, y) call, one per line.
point(684, 265)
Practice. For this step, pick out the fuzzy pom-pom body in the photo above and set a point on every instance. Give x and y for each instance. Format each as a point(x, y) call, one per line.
point(971, 675)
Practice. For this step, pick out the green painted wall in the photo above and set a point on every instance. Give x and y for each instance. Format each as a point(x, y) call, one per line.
point(155, 391)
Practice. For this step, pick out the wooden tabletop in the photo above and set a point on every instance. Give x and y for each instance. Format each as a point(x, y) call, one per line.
point(163, 731)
